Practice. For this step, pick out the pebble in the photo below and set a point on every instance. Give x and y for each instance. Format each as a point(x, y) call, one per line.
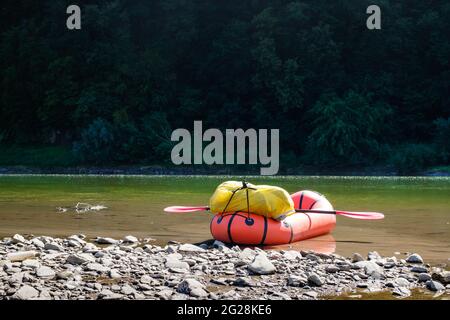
point(80, 258)
point(401, 291)
point(262, 265)
point(370, 268)
point(37, 243)
point(315, 280)
point(102, 240)
point(187, 247)
point(414, 258)
point(192, 287)
point(20, 256)
point(424, 277)
point(296, 281)
point(45, 272)
point(434, 285)
point(97, 267)
point(311, 294)
point(356, 257)
point(123, 270)
point(31, 263)
point(130, 239)
point(442, 276)
point(53, 246)
point(25, 293)
point(419, 269)
point(402, 282)
point(244, 282)
point(292, 255)
point(332, 269)
point(17, 238)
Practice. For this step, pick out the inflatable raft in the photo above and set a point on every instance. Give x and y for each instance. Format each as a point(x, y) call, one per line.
point(250, 229)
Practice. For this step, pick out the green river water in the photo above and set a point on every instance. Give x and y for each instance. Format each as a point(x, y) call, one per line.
point(417, 209)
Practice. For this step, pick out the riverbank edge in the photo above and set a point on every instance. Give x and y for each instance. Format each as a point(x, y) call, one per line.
point(203, 171)
point(75, 268)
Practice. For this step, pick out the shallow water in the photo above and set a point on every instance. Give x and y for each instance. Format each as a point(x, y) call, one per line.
point(417, 209)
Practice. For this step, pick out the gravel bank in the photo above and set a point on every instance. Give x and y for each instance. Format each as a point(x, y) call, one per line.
point(105, 268)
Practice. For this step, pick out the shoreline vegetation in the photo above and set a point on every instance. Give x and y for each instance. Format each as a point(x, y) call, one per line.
point(214, 171)
point(134, 269)
point(60, 160)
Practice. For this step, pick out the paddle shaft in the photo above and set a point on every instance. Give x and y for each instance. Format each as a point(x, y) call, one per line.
point(349, 214)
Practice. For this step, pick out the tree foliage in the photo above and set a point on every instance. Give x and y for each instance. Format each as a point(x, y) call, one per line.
point(339, 93)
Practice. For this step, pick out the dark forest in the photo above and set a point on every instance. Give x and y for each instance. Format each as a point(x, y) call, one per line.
point(111, 93)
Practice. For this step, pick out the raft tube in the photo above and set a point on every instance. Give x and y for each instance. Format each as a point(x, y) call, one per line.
point(251, 229)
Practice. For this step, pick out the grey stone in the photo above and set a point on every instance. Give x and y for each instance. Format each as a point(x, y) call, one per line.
point(127, 290)
point(296, 281)
point(146, 279)
point(292, 255)
point(73, 243)
point(64, 275)
point(220, 281)
point(373, 255)
point(434, 285)
point(26, 292)
point(370, 268)
point(315, 280)
point(402, 282)
point(219, 245)
point(313, 257)
point(105, 240)
point(45, 272)
point(442, 276)
point(177, 265)
point(262, 265)
point(17, 238)
point(53, 246)
point(187, 247)
point(130, 239)
point(311, 294)
point(243, 282)
point(414, 258)
point(419, 269)
point(31, 263)
point(356, 257)
point(247, 255)
point(199, 293)
point(362, 284)
point(332, 268)
point(114, 274)
point(80, 258)
point(165, 294)
point(20, 255)
point(192, 287)
point(424, 277)
point(401, 291)
point(97, 267)
point(37, 243)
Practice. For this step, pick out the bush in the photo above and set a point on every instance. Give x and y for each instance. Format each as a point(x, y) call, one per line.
point(413, 158)
point(96, 145)
point(345, 130)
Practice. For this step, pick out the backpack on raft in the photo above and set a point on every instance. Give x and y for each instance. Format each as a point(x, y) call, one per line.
point(269, 201)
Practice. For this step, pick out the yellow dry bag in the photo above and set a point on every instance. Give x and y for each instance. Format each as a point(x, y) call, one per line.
point(269, 201)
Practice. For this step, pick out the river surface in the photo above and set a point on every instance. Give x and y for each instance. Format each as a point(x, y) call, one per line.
point(417, 209)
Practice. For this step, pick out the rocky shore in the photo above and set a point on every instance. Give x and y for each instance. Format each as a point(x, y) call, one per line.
point(104, 268)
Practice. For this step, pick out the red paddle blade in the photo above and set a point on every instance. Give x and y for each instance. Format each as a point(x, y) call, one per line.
point(182, 209)
point(361, 215)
